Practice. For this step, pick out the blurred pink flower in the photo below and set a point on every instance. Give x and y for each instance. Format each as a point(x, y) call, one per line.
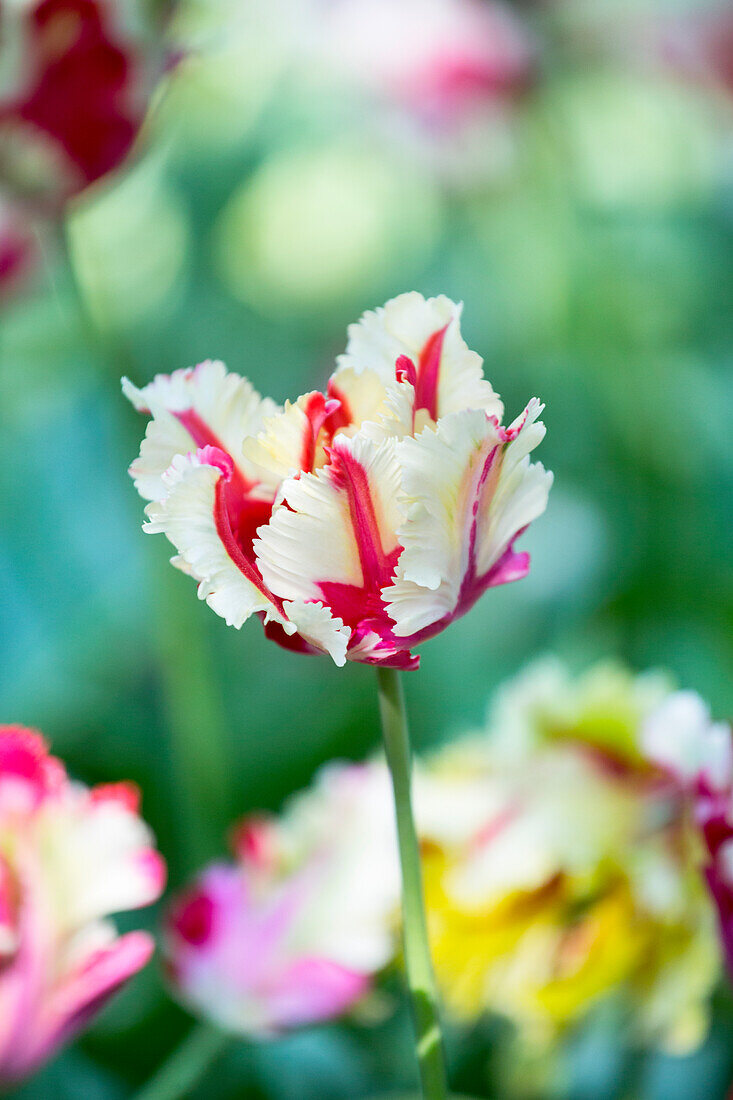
point(681, 737)
point(69, 857)
point(443, 78)
point(700, 46)
point(438, 58)
point(293, 932)
point(72, 96)
point(359, 522)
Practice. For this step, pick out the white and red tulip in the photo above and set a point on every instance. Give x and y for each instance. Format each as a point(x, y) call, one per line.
point(69, 858)
point(358, 522)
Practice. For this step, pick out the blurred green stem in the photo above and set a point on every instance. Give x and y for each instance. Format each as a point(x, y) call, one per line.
point(420, 975)
point(102, 342)
point(196, 721)
point(186, 1065)
point(197, 724)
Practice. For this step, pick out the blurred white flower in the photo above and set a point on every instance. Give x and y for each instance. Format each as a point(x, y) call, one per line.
point(580, 879)
point(682, 738)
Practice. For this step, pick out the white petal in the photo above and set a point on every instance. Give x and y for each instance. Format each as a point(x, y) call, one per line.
point(226, 406)
point(103, 858)
point(315, 622)
point(464, 498)
point(343, 827)
point(187, 517)
point(520, 494)
point(681, 736)
point(362, 394)
point(290, 441)
point(403, 327)
point(313, 539)
point(399, 417)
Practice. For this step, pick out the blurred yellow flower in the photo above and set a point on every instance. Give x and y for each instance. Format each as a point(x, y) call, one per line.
point(559, 868)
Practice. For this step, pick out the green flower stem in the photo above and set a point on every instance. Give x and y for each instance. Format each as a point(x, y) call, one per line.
point(187, 1064)
point(420, 975)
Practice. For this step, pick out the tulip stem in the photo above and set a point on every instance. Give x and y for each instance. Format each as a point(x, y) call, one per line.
point(186, 1065)
point(420, 975)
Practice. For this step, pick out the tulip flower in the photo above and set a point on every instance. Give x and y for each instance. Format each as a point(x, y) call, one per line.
point(71, 103)
point(69, 857)
point(357, 522)
point(293, 932)
point(560, 866)
point(698, 753)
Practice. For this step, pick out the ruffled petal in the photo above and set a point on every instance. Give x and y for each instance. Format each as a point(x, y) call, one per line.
point(426, 335)
point(510, 502)
point(333, 540)
point(319, 628)
point(337, 526)
point(468, 490)
point(191, 409)
point(194, 517)
point(291, 441)
point(297, 439)
point(361, 395)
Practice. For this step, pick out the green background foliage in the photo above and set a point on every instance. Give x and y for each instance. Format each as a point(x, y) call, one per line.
point(596, 271)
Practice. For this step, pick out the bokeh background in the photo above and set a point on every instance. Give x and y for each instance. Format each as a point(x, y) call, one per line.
point(299, 165)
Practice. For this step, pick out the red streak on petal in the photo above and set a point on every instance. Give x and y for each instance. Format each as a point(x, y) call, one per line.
point(222, 521)
point(350, 477)
point(246, 513)
point(341, 417)
point(317, 411)
point(405, 370)
point(351, 603)
point(294, 643)
point(203, 436)
point(361, 607)
point(486, 470)
point(510, 566)
point(428, 373)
